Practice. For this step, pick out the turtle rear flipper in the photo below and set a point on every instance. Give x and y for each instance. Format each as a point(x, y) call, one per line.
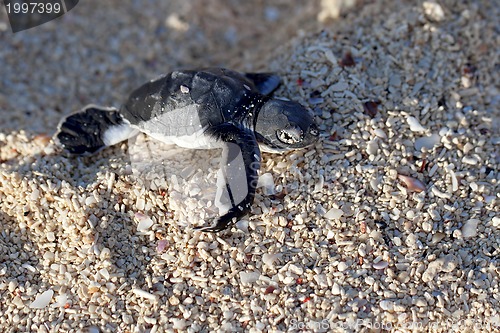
point(91, 129)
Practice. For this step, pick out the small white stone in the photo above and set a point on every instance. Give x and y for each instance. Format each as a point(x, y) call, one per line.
point(140, 203)
point(90, 200)
point(330, 234)
point(104, 273)
point(387, 305)
point(413, 184)
point(437, 237)
point(296, 269)
point(415, 125)
point(342, 266)
point(339, 86)
point(61, 300)
point(50, 236)
point(426, 226)
point(249, 277)
point(336, 289)
point(467, 147)
point(321, 280)
point(174, 300)
point(178, 324)
point(380, 133)
point(380, 265)
point(470, 160)
point(427, 142)
point(35, 195)
point(495, 221)
point(469, 229)
point(372, 147)
point(184, 89)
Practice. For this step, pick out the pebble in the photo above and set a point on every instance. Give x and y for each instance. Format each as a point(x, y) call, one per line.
point(380, 265)
point(415, 125)
point(342, 266)
point(470, 160)
point(380, 133)
point(469, 229)
point(336, 289)
point(387, 305)
point(339, 86)
point(269, 259)
point(178, 324)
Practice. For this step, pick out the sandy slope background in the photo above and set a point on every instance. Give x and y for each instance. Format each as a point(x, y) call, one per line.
point(391, 222)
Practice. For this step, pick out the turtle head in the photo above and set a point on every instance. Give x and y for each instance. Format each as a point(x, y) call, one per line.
point(284, 125)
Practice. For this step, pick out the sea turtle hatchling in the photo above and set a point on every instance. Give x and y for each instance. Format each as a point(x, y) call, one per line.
point(209, 108)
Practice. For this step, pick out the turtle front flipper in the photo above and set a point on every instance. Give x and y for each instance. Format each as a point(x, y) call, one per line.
point(238, 174)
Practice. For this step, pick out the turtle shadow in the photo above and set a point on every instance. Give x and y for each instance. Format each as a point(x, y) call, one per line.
point(81, 175)
point(17, 246)
point(132, 255)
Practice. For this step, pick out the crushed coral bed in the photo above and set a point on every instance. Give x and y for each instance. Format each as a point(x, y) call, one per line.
point(391, 221)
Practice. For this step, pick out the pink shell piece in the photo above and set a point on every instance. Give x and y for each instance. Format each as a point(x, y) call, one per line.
point(412, 184)
point(161, 245)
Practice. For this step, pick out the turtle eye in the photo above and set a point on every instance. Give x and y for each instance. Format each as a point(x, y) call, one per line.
point(290, 135)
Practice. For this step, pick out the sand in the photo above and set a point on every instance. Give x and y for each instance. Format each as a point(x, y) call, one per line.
point(390, 222)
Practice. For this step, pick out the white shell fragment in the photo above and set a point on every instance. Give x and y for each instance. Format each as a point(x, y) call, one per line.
point(145, 222)
point(161, 245)
point(267, 182)
point(433, 11)
point(444, 264)
point(144, 294)
point(269, 259)
point(412, 184)
point(184, 89)
point(427, 142)
point(249, 277)
point(380, 265)
point(42, 300)
point(334, 214)
point(415, 125)
point(61, 300)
